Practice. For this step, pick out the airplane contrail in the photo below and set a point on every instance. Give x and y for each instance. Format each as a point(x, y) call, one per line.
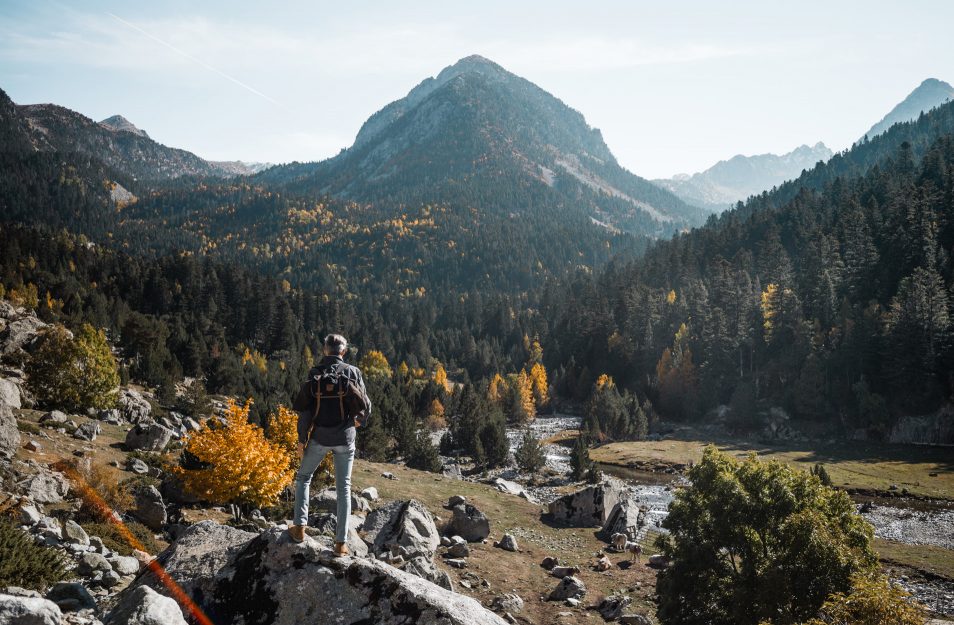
point(195, 60)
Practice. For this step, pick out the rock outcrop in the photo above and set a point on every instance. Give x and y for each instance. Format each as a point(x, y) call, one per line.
point(588, 507)
point(9, 434)
point(28, 611)
point(237, 577)
point(148, 436)
point(469, 522)
point(622, 519)
point(144, 606)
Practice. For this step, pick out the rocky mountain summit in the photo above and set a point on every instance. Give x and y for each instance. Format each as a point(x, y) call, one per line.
point(929, 94)
point(120, 123)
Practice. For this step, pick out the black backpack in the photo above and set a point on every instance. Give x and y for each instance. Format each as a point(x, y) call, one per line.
point(337, 398)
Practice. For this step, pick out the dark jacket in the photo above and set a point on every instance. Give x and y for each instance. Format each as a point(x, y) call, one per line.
point(304, 405)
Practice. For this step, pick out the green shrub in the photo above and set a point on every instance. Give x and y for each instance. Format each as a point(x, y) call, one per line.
point(28, 427)
point(26, 564)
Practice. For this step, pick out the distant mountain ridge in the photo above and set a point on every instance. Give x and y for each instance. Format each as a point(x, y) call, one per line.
point(473, 132)
point(739, 177)
point(929, 94)
point(115, 141)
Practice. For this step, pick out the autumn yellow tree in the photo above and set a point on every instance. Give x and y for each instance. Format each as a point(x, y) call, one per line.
point(375, 364)
point(873, 600)
point(238, 464)
point(539, 386)
point(283, 431)
point(497, 390)
point(522, 407)
point(440, 377)
point(435, 419)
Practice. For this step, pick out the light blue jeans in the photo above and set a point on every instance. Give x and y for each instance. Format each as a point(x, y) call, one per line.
point(344, 459)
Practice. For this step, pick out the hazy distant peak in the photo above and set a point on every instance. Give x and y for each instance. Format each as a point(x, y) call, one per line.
point(930, 94)
point(118, 122)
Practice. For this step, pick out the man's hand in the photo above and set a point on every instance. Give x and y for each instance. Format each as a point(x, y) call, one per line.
point(357, 423)
point(301, 450)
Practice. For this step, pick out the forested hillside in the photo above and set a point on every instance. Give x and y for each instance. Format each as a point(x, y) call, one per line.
point(830, 297)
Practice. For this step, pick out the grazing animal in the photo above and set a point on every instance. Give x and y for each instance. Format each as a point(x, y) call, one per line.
point(635, 549)
point(619, 540)
point(603, 564)
point(564, 571)
point(549, 562)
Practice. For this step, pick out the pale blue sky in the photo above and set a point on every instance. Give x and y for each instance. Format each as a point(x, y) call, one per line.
point(674, 86)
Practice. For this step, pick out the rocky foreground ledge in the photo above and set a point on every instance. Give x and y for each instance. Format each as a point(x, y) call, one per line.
point(241, 577)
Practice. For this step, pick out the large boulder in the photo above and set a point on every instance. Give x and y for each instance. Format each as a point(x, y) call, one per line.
point(15, 610)
point(271, 580)
point(9, 434)
point(144, 606)
point(148, 437)
point(570, 587)
point(512, 488)
point(404, 523)
point(588, 507)
point(624, 516)
point(9, 393)
point(87, 431)
point(469, 523)
point(150, 508)
point(45, 486)
point(134, 407)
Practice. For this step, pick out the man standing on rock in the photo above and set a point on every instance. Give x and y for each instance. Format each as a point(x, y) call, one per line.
point(332, 402)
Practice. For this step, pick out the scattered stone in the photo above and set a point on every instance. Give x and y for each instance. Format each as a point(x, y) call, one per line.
point(98, 546)
point(54, 417)
point(110, 416)
point(16, 610)
point(452, 471)
point(659, 561)
point(512, 488)
point(572, 602)
point(359, 504)
point(370, 493)
point(137, 466)
point(191, 425)
point(148, 437)
point(507, 543)
point(458, 550)
point(457, 563)
point(509, 602)
point(549, 562)
point(424, 567)
point(469, 522)
point(611, 608)
point(150, 509)
point(635, 619)
point(87, 431)
point(89, 563)
point(110, 579)
point(564, 571)
point(71, 597)
point(124, 565)
point(388, 475)
point(29, 515)
point(456, 500)
point(445, 541)
point(570, 587)
point(33, 445)
point(75, 534)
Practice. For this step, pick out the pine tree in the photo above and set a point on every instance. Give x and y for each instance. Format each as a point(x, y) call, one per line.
point(530, 456)
point(580, 463)
point(423, 455)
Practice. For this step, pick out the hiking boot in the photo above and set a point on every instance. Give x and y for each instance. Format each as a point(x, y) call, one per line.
point(297, 533)
point(341, 549)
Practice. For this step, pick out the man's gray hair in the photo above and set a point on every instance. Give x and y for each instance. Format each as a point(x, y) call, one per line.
point(336, 343)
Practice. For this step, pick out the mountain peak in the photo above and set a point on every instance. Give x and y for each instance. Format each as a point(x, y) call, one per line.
point(118, 122)
point(930, 94)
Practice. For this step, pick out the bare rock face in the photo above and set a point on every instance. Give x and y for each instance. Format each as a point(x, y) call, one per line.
point(10, 393)
point(9, 434)
point(45, 486)
point(588, 507)
point(237, 577)
point(133, 406)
